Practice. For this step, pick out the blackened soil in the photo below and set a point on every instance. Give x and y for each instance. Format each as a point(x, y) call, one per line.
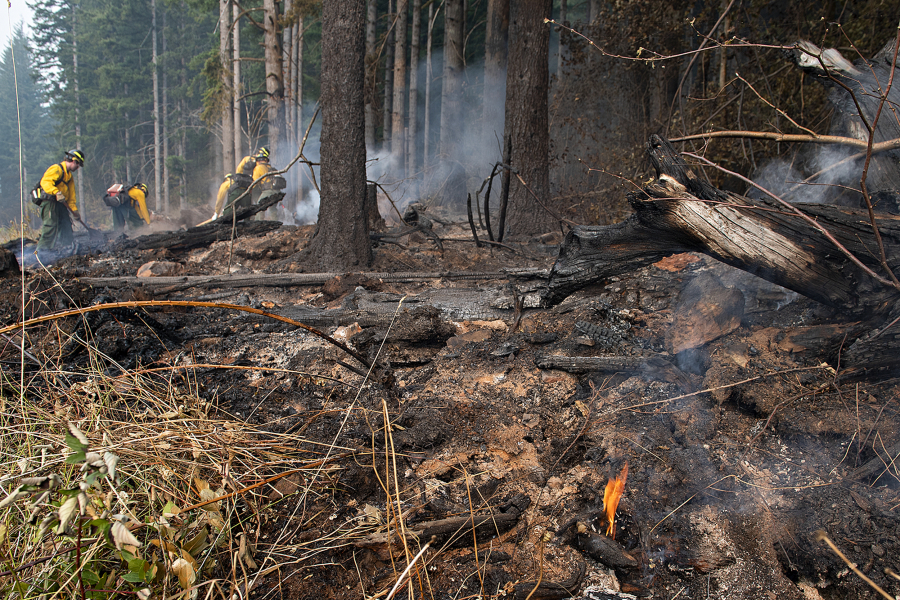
point(738, 450)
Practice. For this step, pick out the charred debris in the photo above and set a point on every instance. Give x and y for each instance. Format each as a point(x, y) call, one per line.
point(733, 357)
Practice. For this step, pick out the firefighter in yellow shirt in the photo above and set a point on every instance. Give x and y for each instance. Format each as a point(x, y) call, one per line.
point(57, 195)
point(259, 171)
point(221, 196)
point(133, 209)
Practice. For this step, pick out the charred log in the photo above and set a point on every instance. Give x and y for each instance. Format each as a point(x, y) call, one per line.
point(679, 212)
point(203, 235)
point(603, 549)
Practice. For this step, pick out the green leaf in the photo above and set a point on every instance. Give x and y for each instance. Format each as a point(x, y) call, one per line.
point(90, 577)
point(133, 577)
point(138, 569)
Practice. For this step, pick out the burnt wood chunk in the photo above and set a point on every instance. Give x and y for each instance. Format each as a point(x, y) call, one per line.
point(459, 532)
point(603, 549)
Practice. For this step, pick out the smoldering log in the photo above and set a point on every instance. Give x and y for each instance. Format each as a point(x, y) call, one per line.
point(203, 235)
point(603, 549)
point(679, 212)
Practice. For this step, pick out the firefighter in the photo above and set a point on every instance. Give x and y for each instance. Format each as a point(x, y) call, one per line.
point(221, 196)
point(237, 197)
point(132, 209)
point(262, 167)
point(57, 189)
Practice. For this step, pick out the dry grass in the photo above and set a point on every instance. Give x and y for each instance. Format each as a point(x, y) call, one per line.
point(194, 486)
point(190, 485)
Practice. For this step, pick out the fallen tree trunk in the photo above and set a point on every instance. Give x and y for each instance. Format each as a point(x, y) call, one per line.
point(681, 213)
point(203, 235)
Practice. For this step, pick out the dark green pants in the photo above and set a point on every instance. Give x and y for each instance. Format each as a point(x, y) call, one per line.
point(56, 229)
point(230, 205)
point(126, 213)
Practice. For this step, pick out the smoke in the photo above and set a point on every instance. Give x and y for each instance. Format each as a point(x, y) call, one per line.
point(477, 146)
point(307, 211)
point(474, 147)
point(829, 174)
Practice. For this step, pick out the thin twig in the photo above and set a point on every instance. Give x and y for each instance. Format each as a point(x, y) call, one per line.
point(821, 536)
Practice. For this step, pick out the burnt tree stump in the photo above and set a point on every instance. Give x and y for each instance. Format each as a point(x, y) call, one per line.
point(679, 212)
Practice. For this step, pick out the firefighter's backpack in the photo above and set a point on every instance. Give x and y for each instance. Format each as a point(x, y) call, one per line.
point(38, 195)
point(116, 195)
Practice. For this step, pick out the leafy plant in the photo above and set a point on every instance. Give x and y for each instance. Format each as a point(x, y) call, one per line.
point(105, 555)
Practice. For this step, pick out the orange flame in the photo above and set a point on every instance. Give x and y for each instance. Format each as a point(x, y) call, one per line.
point(611, 498)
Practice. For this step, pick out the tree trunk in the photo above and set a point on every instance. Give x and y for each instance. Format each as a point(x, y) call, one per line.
point(398, 121)
point(527, 85)
point(429, 78)
point(298, 109)
point(454, 190)
point(288, 72)
point(183, 118)
point(80, 185)
point(157, 141)
point(228, 162)
point(413, 112)
point(274, 82)
point(497, 34)
point(387, 109)
point(371, 72)
point(164, 109)
point(341, 240)
point(236, 85)
point(563, 16)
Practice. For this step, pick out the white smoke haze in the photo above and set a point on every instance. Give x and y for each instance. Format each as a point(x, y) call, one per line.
point(307, 211)
point(834, 174)
point(477, 148)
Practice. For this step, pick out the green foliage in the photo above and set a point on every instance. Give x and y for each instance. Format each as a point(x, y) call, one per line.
point(104, 540)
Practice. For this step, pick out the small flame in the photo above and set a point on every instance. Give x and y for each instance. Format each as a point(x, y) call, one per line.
point(611, 498)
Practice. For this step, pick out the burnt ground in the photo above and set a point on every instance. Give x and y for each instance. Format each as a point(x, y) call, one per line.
point(740, 438)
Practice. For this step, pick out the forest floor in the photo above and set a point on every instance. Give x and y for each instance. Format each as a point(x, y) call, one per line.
point(740, 444)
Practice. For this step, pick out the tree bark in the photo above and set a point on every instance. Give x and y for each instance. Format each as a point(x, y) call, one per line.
point(454, 190)
point(371, 72)
point(236, 86)
point(527, 86)
point(80, 184)
point(398, 105)
point(497, 35)
point(164, 110)
point(227, 114)
point(412, 162)
point(429, 77)
point(387, 108)
point(157, 142)
point(274, 81)
point(341, 240)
